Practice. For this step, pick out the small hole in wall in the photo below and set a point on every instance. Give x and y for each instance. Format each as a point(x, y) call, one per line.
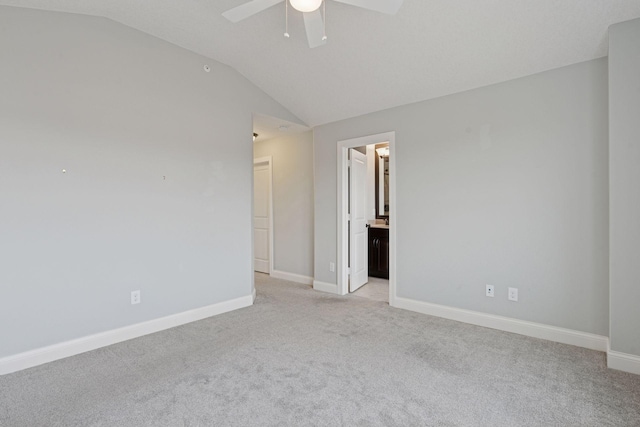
point(207, 68)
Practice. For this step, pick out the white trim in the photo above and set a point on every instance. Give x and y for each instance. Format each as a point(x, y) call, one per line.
point(393, 215)
point(50, 353)
point(268, 160)
point(254, 295)
point(343, 218)
point(342, 287)
point(522, 327)
point(332, 288)
point(623, 362)
point(292, 277)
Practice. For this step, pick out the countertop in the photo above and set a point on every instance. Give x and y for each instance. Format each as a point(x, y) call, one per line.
point(379, 226)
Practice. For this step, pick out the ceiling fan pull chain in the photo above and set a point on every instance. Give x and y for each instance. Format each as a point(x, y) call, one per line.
point(286, 18)
point(324, 20)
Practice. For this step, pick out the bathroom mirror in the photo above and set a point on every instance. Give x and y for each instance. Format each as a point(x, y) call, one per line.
point(382, 187)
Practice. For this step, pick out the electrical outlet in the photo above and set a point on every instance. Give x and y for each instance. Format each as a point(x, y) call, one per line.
point(513, 294)
point(490, 291)
point(332, 267)
point(135, 297)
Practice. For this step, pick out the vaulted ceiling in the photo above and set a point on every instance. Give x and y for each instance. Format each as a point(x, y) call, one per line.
point(373, 61)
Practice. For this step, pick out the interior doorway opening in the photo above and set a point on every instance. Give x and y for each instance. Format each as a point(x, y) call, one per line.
point(352, 253)
point(263, 215)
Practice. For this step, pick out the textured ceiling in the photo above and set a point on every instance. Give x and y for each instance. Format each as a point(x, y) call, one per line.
point(373, 61)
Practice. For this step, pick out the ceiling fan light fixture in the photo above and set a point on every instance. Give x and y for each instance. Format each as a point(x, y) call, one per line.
point(305, 5)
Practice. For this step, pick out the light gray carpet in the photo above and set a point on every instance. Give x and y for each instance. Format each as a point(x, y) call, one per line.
point(299, 357)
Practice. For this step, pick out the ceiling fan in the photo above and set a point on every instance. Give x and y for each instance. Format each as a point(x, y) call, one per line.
point(313, 18)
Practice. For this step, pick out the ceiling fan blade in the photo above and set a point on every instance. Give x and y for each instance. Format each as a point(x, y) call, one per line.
point(314, 25)
point(389, 7)
point(248, 9)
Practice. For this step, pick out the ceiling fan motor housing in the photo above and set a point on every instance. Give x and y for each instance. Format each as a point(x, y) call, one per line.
point(305, 5)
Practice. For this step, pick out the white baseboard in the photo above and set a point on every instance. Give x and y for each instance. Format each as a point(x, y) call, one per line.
point(623, 362)
point(50, 353)
point(292, 277)
point(522, 327)
point(332, 288)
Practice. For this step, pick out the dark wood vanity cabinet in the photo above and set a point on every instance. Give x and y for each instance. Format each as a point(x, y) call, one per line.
point(379, 252)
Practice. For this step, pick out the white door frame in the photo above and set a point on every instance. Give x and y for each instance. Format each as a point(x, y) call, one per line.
point(268, 160)
point(343, 204)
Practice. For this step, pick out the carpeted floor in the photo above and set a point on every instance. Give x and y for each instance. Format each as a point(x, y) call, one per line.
point(299, 357)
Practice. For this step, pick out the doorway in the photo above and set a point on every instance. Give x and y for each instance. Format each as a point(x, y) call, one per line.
point(344, 217)
point(262, 215)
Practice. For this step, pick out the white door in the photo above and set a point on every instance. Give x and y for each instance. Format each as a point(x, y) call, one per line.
point(261, 217)
point(358, 255)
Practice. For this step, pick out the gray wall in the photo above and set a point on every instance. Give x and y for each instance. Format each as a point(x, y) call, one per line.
point(292, 200)
point(504, 185)
point(624, 158)
point(119, 110)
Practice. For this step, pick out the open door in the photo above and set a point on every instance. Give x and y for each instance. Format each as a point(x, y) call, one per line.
point(262, 217)
point(358, 253)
